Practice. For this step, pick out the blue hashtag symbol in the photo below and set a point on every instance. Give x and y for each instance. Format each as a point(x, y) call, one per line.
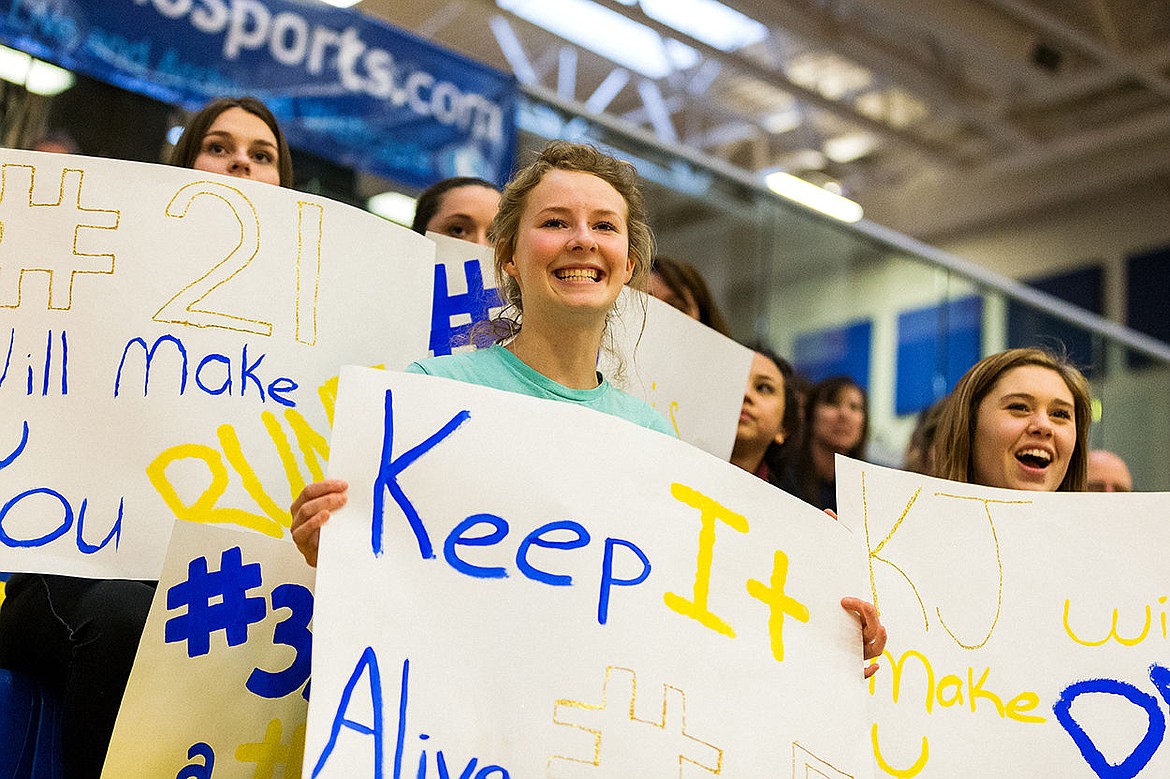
point(232, 613)
point(476, 302)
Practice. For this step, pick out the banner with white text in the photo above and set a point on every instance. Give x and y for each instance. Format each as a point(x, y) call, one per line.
point(1028, 632)
point(343, 84)
point(519, 587)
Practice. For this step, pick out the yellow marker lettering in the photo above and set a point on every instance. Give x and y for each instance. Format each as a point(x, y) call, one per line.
point(903, 773)
point(310, 442)
point(976, 690)
point(1113, 634)
point(1025, 701)
point(896, 674)
point(949, 689)
point(235, 455)
point(313, 445)
point(779, 603)
point(950, 681)
point(292, 472)
point(272, 752)
point(673, 419)
point(203, 508)
point(999, 566)
point(710, 511)
point(327, 392)
point(874, 552)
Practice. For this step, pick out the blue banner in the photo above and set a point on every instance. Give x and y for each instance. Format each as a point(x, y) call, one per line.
point(347, 87)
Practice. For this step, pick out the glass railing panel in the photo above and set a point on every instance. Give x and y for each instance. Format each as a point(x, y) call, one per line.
point(906, 320)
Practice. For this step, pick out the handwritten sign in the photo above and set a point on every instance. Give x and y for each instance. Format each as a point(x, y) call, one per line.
point(693, 375)
point(1027, 630)
point(520, 588)
point(465, 293)
point(220, 682)
point(167, 339)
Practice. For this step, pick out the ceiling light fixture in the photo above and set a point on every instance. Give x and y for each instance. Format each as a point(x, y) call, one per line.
point(783, 121)
point(37, 76)
point(814, 197)
point(601, 30)
point(709, 21)
point(394, 206)
point(847, 148)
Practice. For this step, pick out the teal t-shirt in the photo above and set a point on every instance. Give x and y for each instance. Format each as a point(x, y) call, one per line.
point(498, 368)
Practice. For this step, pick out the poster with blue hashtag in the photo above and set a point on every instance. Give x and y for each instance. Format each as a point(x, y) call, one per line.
point(169, 345)
point(1028, 630)
point(523, 588)
point(220, 682)
point(656, 351)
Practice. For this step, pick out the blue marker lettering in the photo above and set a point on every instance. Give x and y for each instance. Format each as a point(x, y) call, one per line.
point(457, 538)
point(197, 770)
point(536, 538)
point(149, 356)
point(368, 661)
point(468, 770)
point(19, 448)
point(66, 520)
point(608, 580)
point(294, 632)
point(476, 304)
point(247, 373)
point(48, 362)
point(114, 535)
point(226, 386)
point(387, 479)
point(278, 386)
point(403, 691)
point(1132, 765)
point(8, 359)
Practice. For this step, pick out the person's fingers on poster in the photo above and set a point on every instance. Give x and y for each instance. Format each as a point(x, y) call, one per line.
point(873, 633)
point(311, 509)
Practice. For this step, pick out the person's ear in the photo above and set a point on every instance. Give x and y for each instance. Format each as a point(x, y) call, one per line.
point(780, 436)
point(509, 266)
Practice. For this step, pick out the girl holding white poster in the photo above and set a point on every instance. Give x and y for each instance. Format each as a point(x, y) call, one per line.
point(79, 636)
point(1018, 419)
point(570, 233)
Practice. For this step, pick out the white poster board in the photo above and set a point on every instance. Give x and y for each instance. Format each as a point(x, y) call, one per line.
point(220, 679)
point(518, 587)
point(167, 340)
point(692, 375)
point(1027, 629)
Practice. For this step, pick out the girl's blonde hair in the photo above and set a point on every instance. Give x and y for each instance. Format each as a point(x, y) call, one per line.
point(576, 157)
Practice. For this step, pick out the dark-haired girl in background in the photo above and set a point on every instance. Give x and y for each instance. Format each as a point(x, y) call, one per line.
point(461, 207)
point(836, 421)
